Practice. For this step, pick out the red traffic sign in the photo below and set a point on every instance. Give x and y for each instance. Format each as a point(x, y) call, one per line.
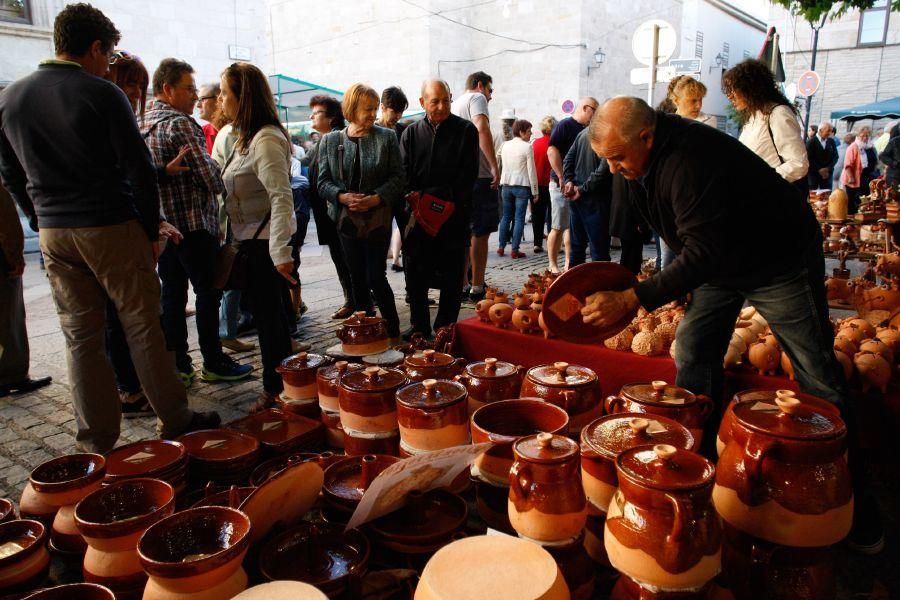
point(808, 83)
point(568, 107)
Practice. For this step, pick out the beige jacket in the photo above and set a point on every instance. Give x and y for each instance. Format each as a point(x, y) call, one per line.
point(517, 164)
point(788, 142)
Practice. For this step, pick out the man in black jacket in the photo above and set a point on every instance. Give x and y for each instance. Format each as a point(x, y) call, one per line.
point(823, 155)
point(440, 157)
point(588, 208)
point(681, 175)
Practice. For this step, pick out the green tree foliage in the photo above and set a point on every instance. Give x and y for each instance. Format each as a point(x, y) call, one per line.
point(814, 10)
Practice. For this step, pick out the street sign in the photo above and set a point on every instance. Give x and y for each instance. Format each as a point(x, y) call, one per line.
point(642, 42)
point(641, 75)
point(568, 107)
point(685, 66)
point(808, 84)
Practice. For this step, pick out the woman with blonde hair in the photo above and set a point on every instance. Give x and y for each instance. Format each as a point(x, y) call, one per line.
point(540, 206)
point(686, 95)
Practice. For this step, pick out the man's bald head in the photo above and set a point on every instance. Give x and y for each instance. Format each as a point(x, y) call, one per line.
point(435, 100)
point(622, 131)
point(585, 110)
point(430, 85)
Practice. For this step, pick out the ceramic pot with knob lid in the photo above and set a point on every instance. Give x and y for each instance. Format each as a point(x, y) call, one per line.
point(607, 437)
point(367, 399)
point(328, 381)
point(783, 475)
point(432, 415)
point(661, 528)
point(430, 364)
point(573, 388)
point(489, 381)
point(546, 497)
point(660, 398)
point(298, 373)
point(361, 335)
point(357, 443)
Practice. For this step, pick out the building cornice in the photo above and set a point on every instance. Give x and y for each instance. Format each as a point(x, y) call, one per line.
point(23, 30)
point(739, 14)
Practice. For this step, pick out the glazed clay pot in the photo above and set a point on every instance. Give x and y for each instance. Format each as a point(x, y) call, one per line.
point(334, 431)
point(546, 497)
point(660, 398)
point(429, 364)
point(74, 591)
point(427, 522)
point(154, 459)
point(224, 456)
point(783, 476)
point(298, 373)
point(607, 437)
point(367, 401)
point(328, 381)
point(490, 380)
point(63, 482)
point(32, 506)
point(25, 559)
point(661, 527)
point(196, 554)
point(505, 422)
point(361, 335)
point(573, 388)
point(347, 480)
point(112, 520)
point(432, 415)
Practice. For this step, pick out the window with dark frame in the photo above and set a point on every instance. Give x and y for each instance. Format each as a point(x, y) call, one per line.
point(873, 24)
point(698, 45)
point(15, 11)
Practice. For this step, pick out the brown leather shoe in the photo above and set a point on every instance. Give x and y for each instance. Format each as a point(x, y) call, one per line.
point(343, 312)
point(236, 345)
point(297, 346)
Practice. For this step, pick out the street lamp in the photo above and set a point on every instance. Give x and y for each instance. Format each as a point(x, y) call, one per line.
point(599, 58)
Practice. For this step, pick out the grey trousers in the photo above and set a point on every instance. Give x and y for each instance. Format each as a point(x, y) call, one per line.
point(85, 266)
point(13, 337)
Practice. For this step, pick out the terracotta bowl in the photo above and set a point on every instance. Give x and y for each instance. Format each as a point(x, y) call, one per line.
point(123, 508)
point(347, 480)
point(27, 564)
point(159, 459)
point(7, 510)
point(62, 480)
point(74, 591)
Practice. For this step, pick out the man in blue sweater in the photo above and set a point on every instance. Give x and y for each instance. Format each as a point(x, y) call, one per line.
point(72, 157)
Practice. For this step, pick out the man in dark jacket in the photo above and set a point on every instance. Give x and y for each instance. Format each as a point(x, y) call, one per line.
point(890, 156)
point(681, 178)
point(823, 155)
point(440, 158)
point(588, 209)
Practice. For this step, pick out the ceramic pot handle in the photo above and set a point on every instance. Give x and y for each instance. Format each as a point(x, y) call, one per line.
point(706, 406)
point(680, 516)
point(458, 363)
point(517, 487)
point(755, 452)
point(612, 404)
point(463, 379)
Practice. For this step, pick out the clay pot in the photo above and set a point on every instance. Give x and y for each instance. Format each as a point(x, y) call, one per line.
point(74, 591)
point(573, 388)
point(279, 432)
point(298, 373)
point(483, 307)
point(503, 423)
point(607, 437)
point(366, 399)
point(63, 482)
point(282, 590)
point(25, 560)
point(112, 520)
point(334, 431)
point(32, 506)
point(7, 511)
point(764, 357)
point(266, 470)
point(347, 480)
point(661, 527)
point(361, 335)
point(155, 459)
point(546, 497)
point(358, 443)
point(196, 554)
point(429, 364)
point(432, 415)
point(491, 567)
point(660, 398)
point(427, 522)
point(223, 456)
point(525, 317)
point(874, 371)
point(876, 346)
point(489, 381)
point(854, 334)
point(783, 476)
point(500, 314)
point(328, 380)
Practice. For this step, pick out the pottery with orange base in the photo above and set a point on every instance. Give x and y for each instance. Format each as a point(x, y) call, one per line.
point(489, 381)
point(328, 381)
point(660, 398)
point(298, 374)
point(361, 335)
point(573, 388)
point(433, 415)
point(367, 402)
point(32, 506)
point(430, 364)
point(25, 560)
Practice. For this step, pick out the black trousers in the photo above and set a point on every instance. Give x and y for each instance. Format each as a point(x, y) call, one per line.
point(367, 262)
point(431, 262)
point(632, 253)
point(540, 209)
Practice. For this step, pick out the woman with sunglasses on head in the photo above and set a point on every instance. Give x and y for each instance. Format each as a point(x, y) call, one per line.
point(260, 209)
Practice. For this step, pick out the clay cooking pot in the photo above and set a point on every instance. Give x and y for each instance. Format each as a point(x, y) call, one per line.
point(298, 373)
point(573, 388)
point(430, 364)
point(432, 415)
point(660, 398)
point(489, 381)
point(361, 335)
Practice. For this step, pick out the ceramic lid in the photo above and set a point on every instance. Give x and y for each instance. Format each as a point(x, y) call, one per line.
point(658, 392)
point(331, 372)
point(428, 358)
point(665, 467)
point(760, 395)
point(610, 435)
point(491, 368)
point(562, 374)
point(425, 515)
point(360, 318)
point(345, 478)
point(789, 417)
point(218, 444)
point(143, 458)
point(431, 393)
point(373, 379)
point(303, 361)
point(545, 448)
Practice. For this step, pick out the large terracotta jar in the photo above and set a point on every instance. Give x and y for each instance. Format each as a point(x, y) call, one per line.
point(573, 388)
point(112, 520)
point(489, 381)
point(298, 374)
point(660, 398)
point(367, 399)
point(546, 497)
point(328, 380)
point(661, 527)
point(432, 415)
point(196, 554)
point(361, 335)
point(430, 364)
point(25, 559)
point(783, 476)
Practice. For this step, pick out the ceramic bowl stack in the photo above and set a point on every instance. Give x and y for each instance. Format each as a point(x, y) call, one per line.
point(280, 432)
point(222, 456)
point(156, 459)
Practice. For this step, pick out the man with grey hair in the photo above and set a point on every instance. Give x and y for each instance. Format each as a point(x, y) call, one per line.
point(208, 105)
point(681, 179)
point(823, 155)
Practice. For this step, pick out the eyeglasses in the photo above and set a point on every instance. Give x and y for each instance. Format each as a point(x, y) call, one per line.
point(204, 98)
point(122, 56)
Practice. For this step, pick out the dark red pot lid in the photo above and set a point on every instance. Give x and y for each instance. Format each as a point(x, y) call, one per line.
point(424, 517)
point(431, 393)
point(143, 458)
point(562, 374)
point(316, 553)
point(665, 467)
point(610, 435)
point(303, 361)
point(360, 318)
point(428, 358)
point(789, 417)
point(331, 372)
point(343, 478)
point(545, 448)
point(490, 368)
point(658, 392)
point(219, 444)
point(758, 395)
point(275, 426)
point(373, 379)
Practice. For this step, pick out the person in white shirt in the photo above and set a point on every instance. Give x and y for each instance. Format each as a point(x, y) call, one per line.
point(519, 184)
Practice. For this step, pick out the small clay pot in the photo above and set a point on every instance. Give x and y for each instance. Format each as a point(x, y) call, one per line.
point(74, 591)
point(298, 373)
point(491, 380)
point(430, 364)
point(26, 560)
point(334, 431)
point(359, 443)
point(660, 398)
point(328, 381)
point(432, 415)
point(361, 335)
point(367, 402)
point(7, 511)
point(224, 456)
point(573, 388)
point(347, 480)
point(427, 522)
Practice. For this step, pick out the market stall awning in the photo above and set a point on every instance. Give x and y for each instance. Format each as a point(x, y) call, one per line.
point(885, 109)
point(292, 96)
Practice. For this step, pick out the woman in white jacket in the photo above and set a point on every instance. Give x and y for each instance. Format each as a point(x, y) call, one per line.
point(771, 128)
point(519, 184)
point(260, 209)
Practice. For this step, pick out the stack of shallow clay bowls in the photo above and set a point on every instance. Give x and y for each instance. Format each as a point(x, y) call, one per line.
point(280, 433)
point(74, 591)
point(156, 459)
point(328, 381)
point(368, 410)
point(223, 456)
point(573, 388)
point(489, 381)
point(25, 560)
point(660, 398)
point(298, 374)
point(346, 481)
point(361, 335)
point(432, 415)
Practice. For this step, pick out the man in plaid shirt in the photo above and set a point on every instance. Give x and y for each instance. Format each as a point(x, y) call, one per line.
point(190, 204)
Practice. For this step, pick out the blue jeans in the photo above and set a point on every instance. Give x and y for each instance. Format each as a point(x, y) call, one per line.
point(588, 228)
point(664, 254)
point(229, 313)
point(515, 199)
